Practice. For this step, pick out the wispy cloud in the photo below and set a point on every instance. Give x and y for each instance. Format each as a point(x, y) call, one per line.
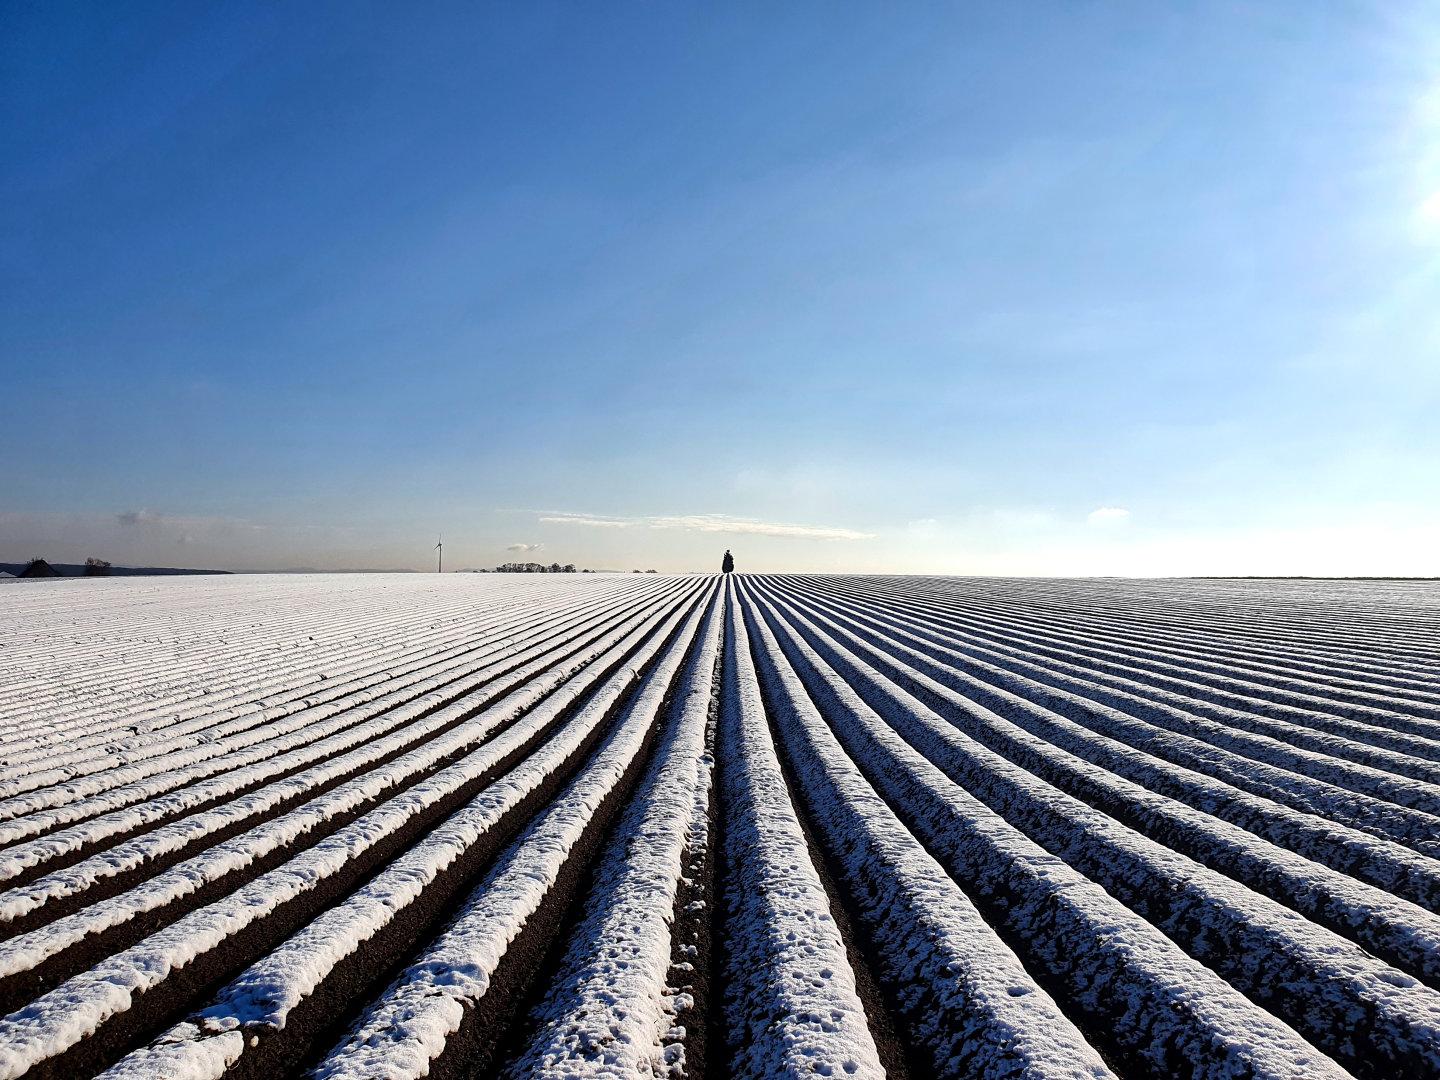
point(523, 547)
point(1108, 515)
point(137, 517)
point(560, 517)
point(707, 523)
point(750, 526)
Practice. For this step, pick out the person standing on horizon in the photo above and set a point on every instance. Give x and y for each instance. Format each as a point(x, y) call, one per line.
point(727, 564)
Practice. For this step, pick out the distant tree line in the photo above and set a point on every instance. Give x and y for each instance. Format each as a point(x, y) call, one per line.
point(536, 568)
point(38, 567)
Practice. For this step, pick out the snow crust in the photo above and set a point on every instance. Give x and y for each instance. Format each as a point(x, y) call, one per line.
point(73, 1011)
point(410, 1025)
point(610, 1008)
point(793, 1008)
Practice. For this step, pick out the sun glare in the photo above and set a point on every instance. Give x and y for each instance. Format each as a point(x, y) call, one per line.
point(1427, 214)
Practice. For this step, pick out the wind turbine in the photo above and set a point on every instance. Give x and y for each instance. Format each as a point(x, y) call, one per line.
point(440, 557)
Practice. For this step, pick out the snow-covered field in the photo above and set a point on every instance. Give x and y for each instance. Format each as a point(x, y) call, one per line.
point(585, 826)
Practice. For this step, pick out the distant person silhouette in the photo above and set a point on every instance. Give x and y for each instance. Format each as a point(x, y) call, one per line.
point(727, 564)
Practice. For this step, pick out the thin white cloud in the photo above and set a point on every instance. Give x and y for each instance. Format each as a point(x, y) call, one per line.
point(707, 523)
point(523, 547)
point(560, 517)
point(719, 523)
point(1108, 515)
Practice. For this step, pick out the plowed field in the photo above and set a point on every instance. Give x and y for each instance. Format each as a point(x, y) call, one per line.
point(584, 826)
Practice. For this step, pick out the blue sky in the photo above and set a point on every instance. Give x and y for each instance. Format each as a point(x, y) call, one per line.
point(1070, 288)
